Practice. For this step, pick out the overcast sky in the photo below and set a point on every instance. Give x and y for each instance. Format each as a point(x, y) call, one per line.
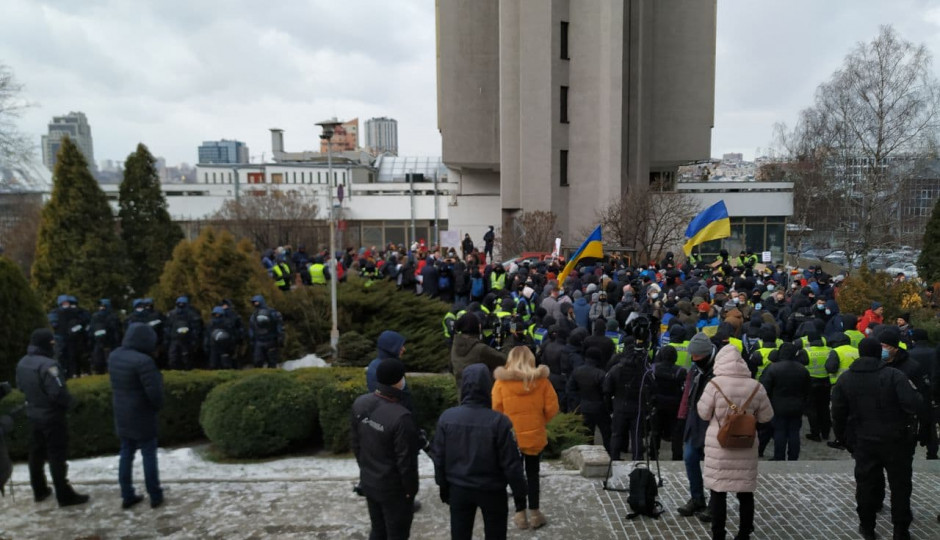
point(172, 73)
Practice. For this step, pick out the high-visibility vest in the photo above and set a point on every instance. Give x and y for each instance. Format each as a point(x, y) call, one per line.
point(538, 336)
point(765, 359)
point(683, 358)
point(805, 340)
point(847, 355)
point(616, 338)
point(902, 345)
point(497, 282)
point(738, 344)
point(448, 328)
point(817, 361)
point(279, 277)
point(318, 274)
point(855, 337)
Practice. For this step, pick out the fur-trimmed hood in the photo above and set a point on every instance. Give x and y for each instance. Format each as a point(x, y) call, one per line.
point(503, 374)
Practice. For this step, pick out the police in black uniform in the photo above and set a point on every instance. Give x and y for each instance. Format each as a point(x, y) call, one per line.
point(47, 400)
point(266, 333)
point(183, 334)
point(105, 334)
point(873, 408)
point(222, 339)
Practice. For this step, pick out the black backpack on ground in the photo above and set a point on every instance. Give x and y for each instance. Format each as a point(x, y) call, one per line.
point(642, 493)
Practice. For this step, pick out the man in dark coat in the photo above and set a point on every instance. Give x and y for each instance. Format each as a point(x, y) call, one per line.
point(137, 395)
point(873, 409)
point(628, 392)
point(670, 379)
point(475, 456)
point(265, 332)
point(587, 382)
point(899, 358)
point(429, 278)
point(787, 382)
point(384, 439)
point(222, 339)
point(469, 350)
point(47, 400)
point(105, 333)
point(924, 353)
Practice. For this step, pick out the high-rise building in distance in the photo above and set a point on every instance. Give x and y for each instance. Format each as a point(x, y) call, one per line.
point(382, 136)
point(567, 105)
point(73, 125)
point(224, 151)
point(345, 138)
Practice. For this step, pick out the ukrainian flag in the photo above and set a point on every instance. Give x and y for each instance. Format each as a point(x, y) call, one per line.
point(591, 248)
point(713, 223)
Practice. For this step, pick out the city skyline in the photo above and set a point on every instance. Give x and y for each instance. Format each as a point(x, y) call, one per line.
point(306, 62)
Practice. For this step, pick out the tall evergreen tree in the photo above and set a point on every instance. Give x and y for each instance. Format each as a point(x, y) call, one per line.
point(20, 314)
point(148, 233)
point(928, 264)
point(78, 251)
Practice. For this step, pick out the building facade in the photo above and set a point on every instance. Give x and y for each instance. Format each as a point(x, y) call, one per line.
point(75, 126)
point(565, 105)
point(345, 137)
point(382, 136)
point(223, 152)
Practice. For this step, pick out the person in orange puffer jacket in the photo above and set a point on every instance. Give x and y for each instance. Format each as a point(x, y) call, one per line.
point(873, 315)
point(524, 394)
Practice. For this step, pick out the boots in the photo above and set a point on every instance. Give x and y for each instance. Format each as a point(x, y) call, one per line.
point(63, 490)
point(691, 507)
point(538, 519)
point(520, 521)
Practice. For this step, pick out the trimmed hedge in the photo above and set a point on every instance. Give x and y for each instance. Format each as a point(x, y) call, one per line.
point(564, 431)
point(259, 415)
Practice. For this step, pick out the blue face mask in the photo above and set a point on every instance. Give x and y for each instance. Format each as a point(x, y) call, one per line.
point(757, 306)
point(884, 354)
point(770, 288)
point(820, 307)
point(828, 312)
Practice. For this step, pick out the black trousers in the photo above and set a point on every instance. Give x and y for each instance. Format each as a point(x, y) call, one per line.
point(463, 509)
point(180, 355)
point(627, 426)
point(391, 519)
point(666, 426)
point(872, 461)
point(718, 504)
point(48, 441)
point(601, 421)
point(99, 358)
point(532, 481)
point(817, 407)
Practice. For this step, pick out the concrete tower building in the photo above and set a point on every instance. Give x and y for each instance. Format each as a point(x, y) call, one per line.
point(565, 105)
point(382, 136)
point(73, 125)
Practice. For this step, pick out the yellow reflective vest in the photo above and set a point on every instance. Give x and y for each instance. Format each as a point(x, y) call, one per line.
point(847, 355)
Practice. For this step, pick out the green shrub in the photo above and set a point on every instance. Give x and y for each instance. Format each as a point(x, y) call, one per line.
point(431, 395)
point(355, 350)
point(184, 394)
point(564, 431)
point(334, 401)
point(259, 415)
point(20, 314)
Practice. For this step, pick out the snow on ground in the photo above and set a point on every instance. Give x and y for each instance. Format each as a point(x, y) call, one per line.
point(311, 360)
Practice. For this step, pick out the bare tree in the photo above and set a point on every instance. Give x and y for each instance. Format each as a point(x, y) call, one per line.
point(271, 218)
point(20, 215)
point(866, 135)
point(14, 146)
point(648, 220)
point(528, 231)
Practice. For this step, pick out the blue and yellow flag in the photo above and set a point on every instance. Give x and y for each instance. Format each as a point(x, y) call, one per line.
point(711, 224)
point(592, 247)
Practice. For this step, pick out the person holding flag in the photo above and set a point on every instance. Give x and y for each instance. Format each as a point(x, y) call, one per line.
point(592, 247)
point(712, 223)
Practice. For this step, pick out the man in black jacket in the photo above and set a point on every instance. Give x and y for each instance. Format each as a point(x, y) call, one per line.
point(137, 395)
point(475, 455)
point(702, 351)
point(925, 355)
point(873, 409)
point(384, 438)
point(105, 333)
point(628, 392)
point(47, 400)
point(184, 334)
point(587, 382)
point(787, 382)
point(670, 380)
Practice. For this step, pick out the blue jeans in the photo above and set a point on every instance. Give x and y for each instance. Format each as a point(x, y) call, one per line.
point(148, 452)
point(693, 469)
point(787, 436)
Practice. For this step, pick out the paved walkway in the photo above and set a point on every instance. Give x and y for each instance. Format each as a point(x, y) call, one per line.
point(311, 497)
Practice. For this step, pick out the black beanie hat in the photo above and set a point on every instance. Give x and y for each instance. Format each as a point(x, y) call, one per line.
point(468, 323)
point(677, 333)
point(390, 371)
point(891, 336)
point(41, 337)
point(787, 351)
point(869, 347)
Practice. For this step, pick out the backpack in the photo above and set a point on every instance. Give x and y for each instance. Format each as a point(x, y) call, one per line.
point(642, 493)
point(476, 287)
point(740, 427)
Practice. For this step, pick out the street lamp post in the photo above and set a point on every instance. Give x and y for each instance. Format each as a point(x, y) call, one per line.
point(329, 128)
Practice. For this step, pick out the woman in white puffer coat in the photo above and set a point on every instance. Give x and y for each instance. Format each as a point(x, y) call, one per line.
point(731, 470)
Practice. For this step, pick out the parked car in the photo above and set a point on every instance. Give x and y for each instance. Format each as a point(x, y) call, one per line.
point(908, 269)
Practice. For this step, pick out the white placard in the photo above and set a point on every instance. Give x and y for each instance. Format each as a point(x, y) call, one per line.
point(450, 239)
point(766, 257)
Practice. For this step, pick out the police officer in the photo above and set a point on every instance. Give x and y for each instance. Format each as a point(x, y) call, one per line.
point(265, 332)
point(184, 333)
point(318, 272)
point(143, 312)
point(105, 334)
point(873, 409)
point(817, 408)
point(47, 400)
point(67, 324)
point(221, 340)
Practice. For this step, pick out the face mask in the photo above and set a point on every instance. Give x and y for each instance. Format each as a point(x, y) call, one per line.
point(820, 307)
point(737, 300)
point(770, 288)
point(884, 354)
point(757, 306)
point(655, 296)
point(828, 312)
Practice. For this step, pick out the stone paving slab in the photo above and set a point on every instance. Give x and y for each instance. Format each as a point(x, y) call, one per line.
point(802, 500)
